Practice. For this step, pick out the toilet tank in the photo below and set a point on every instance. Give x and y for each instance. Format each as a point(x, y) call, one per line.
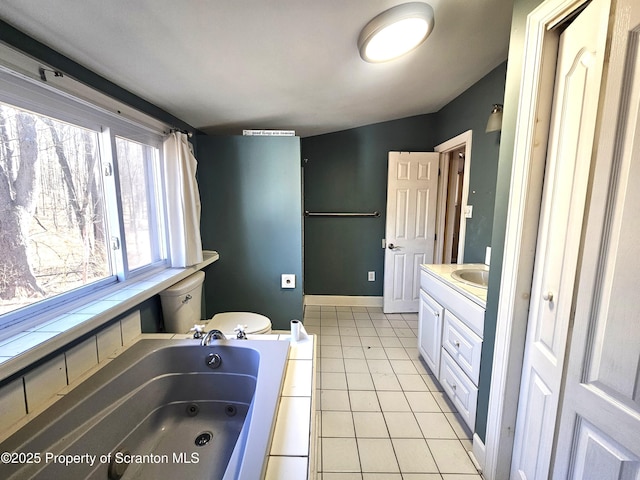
point(182, 304)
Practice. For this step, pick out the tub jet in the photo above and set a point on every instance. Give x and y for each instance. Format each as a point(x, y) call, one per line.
point(192, 409)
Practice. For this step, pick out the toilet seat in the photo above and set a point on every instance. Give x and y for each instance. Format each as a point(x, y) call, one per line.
point(225, 322)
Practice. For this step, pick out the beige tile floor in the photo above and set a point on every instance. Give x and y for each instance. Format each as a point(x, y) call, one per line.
point(383, 415)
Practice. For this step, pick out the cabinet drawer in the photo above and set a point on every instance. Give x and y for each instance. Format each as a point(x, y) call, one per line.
point(459, 388)
point(464, 346)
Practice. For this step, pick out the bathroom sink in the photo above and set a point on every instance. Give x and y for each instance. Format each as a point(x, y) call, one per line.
point(477, 277)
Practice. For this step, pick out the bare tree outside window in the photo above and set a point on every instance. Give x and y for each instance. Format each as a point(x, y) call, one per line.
point(52, 226)
point(133, 166)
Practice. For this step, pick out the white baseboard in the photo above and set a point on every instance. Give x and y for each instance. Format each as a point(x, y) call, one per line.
point(343, 300)
point(479, 452)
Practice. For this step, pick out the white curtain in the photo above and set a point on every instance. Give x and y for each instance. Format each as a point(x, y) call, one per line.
point(183, 201)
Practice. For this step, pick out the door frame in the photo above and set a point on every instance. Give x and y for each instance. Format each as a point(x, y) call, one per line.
point(464, 139)
point(527, 178)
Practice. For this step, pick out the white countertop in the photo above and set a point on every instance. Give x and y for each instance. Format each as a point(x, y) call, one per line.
point(443, 272)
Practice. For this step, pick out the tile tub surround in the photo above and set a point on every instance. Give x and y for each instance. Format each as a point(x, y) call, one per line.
point(382, 414)
point(28, 395)
point(292, 451)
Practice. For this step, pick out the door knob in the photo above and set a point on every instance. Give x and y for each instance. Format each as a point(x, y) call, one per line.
point(391, 246)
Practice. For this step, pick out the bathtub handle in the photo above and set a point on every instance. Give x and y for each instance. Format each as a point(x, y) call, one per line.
point(198, 331)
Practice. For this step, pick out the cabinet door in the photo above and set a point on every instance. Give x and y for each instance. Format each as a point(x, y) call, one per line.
point(430, 316)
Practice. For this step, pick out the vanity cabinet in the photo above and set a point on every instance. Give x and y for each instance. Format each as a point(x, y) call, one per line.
point(450, 329)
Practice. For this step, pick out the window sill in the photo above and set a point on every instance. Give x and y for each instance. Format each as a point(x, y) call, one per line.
point(33, 344)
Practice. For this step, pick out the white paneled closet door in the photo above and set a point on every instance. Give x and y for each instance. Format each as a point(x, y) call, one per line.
point(573, 123)
point(599, 432)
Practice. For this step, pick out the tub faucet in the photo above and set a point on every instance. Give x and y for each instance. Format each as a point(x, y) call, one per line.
point(198, 331)
point(240, 332)
point(212, 335)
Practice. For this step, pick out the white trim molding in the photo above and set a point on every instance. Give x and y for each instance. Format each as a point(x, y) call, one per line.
point(532, 129)
point(343, 301)
point(479, 452)
point(465, 139)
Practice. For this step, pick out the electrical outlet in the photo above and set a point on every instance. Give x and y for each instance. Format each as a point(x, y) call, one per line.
point(288, 280)
point(372, 276)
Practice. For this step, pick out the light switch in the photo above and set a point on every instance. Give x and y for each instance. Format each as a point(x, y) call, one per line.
point(288, 280)
point(468, 211)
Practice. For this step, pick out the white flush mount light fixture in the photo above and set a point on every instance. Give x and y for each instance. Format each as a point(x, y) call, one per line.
point(396, 31)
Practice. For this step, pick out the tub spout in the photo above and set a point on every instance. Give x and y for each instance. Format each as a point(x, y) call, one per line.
point(212, 335)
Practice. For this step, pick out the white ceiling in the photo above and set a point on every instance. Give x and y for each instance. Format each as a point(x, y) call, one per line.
point(225, 65)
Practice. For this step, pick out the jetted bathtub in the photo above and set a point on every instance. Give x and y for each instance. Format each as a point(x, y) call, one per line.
point(162, 409)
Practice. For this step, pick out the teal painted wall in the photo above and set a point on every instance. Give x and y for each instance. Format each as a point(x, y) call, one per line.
point(505, 161)
point(470, 111)
point(347, 172)
point(250, 189)
point(151, 315)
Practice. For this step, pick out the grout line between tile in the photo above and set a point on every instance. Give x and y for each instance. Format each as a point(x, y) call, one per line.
point(331, 322)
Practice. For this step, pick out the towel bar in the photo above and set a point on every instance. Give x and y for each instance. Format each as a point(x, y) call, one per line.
point(339, 214)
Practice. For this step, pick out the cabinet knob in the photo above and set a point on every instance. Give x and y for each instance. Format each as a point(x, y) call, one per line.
point(457, 344)
point(548, 296)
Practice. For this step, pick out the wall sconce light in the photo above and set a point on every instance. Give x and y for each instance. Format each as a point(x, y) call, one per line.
point(494, 124)
point(395, 32)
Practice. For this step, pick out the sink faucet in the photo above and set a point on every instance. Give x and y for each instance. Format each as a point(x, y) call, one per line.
point(212, 335)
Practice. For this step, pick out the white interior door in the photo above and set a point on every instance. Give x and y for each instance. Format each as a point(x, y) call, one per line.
point(412, 192)
point(575, 105)
point(599, 432)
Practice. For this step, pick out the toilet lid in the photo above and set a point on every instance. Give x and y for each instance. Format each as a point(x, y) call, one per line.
point(227, 321)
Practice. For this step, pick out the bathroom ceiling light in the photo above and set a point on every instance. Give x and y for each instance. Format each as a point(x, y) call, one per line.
point(396, 31)
point(494, 123)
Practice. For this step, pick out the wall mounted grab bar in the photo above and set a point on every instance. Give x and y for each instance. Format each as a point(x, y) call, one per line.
point(338, 214)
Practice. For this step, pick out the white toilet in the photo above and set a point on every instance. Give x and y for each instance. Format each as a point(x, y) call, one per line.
point(182, 305)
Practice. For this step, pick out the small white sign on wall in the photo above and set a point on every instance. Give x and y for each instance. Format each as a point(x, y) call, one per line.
point(269, 133)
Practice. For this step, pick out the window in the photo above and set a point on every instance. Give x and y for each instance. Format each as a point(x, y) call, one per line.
point(137, 171)
point(80, 199)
